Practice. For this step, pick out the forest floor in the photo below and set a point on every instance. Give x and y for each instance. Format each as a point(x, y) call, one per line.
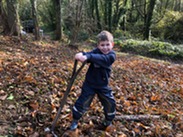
point(34, 77)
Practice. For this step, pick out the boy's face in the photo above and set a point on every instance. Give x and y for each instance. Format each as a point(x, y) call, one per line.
point(105, 46)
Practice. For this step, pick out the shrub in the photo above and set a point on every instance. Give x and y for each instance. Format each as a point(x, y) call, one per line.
point(151, 49)
point(120, 34)
point(135, 46)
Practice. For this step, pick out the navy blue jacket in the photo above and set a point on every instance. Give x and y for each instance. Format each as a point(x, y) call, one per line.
point(99, 70)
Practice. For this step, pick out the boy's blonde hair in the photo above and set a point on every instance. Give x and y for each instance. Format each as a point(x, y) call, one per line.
point(105, 36)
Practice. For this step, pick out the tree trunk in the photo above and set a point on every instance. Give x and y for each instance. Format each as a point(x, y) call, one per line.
point(118, 13)
point(124, 23)
point(177, 5)
point(3, 18)
point(115, 17)
point(13, 26)
point(92, 8)
point(98, 15)
point(105, 14)
point(110, 16)
point(36, 24)
point(0, 10)
point(58, 31)
point(131, 11)
point(149, 18)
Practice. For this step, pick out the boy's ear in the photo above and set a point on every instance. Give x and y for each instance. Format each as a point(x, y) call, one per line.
point(113, 44)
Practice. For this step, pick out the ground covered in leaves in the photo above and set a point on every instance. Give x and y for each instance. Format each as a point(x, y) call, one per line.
point(34, 77)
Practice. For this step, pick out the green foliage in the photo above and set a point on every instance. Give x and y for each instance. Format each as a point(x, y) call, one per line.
point(46, 13)
point(169, 27)
point(136, 29)
point(25, 10)
point(85, 17)
point(83, 35)
point(118, 33)
point(151, 49)
point(121, 35)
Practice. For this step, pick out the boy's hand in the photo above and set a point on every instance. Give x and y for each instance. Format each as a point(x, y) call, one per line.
point(79, 56)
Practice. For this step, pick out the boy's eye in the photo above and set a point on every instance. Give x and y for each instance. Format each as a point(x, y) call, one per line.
point(102, 45)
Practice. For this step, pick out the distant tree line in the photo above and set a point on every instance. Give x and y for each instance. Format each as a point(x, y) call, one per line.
point(78, 19)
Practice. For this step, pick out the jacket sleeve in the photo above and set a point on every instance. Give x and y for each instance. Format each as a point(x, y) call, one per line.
point(103, 60)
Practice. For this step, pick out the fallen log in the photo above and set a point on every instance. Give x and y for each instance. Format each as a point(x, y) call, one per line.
point(136, 117)
point(132, 117)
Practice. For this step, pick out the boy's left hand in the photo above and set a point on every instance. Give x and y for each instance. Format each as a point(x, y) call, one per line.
point(80, 57)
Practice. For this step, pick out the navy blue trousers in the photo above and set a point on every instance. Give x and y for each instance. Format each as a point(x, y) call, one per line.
point(85, 99)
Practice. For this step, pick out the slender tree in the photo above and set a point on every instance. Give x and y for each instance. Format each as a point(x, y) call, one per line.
point(105, 13)
point(0, 8)
point(92, 4)
point(110, 15)
point(97, 15)
point(148, 18)
point(119, 12)
point(35, 19)
point(177, 6)
point(58, 8)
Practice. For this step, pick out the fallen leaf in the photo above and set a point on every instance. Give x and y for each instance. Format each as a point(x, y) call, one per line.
point(36, 134)
point(11, 97)
point(70, 133)
point(110, 129)
point(155, 98)
point(11, 107)
point(3, 97)
point(34, 105)
point(127, 103)
point(122, 135)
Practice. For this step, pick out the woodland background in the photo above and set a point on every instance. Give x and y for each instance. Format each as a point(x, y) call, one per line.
point(79, 19)
point(38, 40)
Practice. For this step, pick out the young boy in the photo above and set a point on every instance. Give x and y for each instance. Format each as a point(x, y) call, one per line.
point(96, 80)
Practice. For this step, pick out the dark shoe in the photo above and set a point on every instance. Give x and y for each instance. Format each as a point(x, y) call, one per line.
point(74, 125)
point(103, 125)
point(107, 123)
